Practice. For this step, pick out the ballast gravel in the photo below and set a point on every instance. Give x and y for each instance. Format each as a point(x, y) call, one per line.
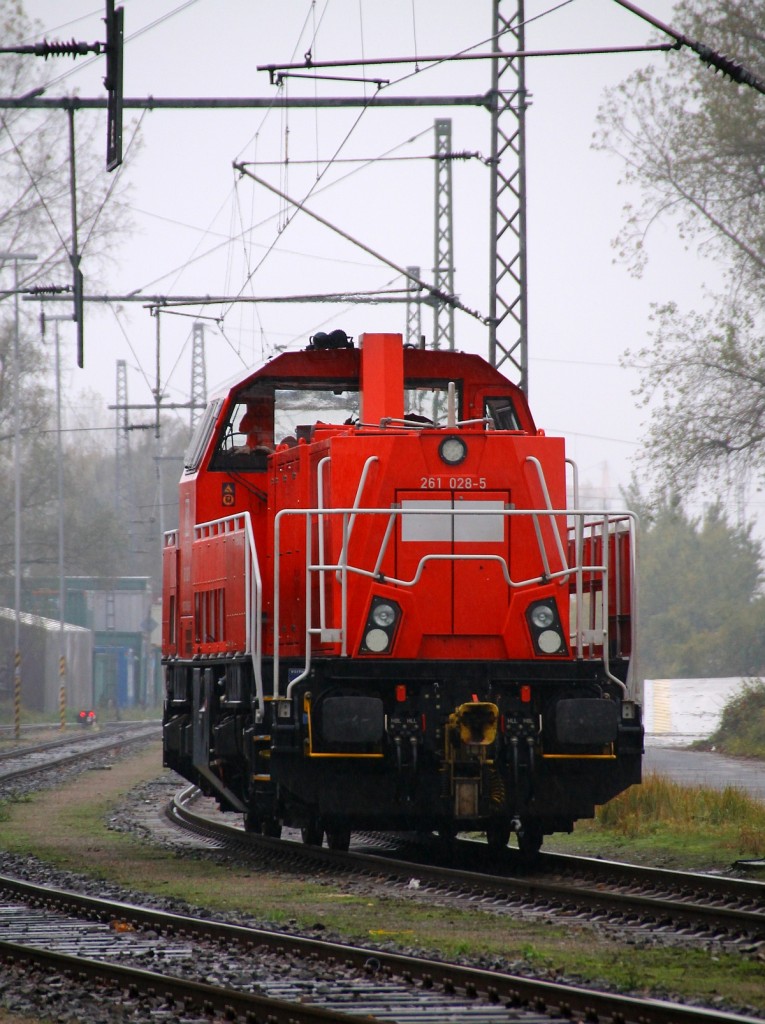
point(34, 996)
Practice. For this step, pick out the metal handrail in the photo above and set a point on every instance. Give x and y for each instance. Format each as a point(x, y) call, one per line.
point(534, 461)
point(356, 503)
point(242, 522)
point(598, 523)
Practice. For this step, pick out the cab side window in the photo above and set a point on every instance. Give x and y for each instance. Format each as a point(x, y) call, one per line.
point(500, 411)
point(246, 440)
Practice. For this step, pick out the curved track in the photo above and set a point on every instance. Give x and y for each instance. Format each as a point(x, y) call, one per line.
point(679, 907)
point(354, 983)
point(291, 978)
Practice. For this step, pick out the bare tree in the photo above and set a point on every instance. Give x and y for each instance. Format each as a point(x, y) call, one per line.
point(692, 144)
point(705, 380)
point(35, 216)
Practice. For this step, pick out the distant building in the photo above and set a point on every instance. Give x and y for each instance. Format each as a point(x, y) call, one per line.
point(683, 710)
point(40, 645)
point(125, 646)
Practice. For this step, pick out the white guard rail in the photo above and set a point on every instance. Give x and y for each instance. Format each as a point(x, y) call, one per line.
point(593, 544)
point(253, 588)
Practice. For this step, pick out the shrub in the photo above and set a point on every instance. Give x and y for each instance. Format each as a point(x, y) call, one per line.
point(742, 726)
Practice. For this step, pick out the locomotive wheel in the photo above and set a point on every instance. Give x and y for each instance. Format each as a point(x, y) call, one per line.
point(271, 827)
point(339, 838)
point(251, 822)
point(497, 835)
point(530, 838)
point(313, 834)
point(446, 836)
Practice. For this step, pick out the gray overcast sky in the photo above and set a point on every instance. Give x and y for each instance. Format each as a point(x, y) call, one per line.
point(189, 204)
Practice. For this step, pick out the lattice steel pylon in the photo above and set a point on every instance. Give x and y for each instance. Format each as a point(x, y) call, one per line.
point(198, 373)
point(443, 269)
point(413, 309)
point(508, 316)
point(121, 442)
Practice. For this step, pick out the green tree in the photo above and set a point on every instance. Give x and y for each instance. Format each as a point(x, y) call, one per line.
point(693, 143)
point(700, 607)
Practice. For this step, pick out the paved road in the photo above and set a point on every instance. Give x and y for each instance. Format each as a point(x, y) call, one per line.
point(694, 768)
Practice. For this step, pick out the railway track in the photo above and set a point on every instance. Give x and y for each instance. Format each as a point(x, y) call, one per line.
point(24, 762)
point(285, 978)
point(165, 965)
point(668, 906)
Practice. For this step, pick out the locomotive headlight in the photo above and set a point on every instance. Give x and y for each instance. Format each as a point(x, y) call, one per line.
point(549, 641)
point(452, 451)
point(376, 640)
point(542, 616)
point(545, 627)
point(381, 625)
point(383, 614)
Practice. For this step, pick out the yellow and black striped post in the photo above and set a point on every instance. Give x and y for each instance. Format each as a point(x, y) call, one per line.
point(17, 695)
point(62, 691)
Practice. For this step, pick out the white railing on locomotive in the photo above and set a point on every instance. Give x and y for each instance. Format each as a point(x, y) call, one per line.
point(617, 523)
point(341, 568)
point(323, 463)
point(534, 461)
point(241, 522)
point(592, 532)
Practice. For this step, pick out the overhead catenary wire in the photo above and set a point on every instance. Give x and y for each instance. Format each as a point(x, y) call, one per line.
point(229, 239)
point(450, 300)
point(115, 178)
point(310, 191)
point(33, 181)
point(280, 71)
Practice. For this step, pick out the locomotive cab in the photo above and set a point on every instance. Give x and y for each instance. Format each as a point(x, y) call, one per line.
point(380, 611)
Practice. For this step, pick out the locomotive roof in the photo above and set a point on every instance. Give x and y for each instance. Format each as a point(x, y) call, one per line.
point(319, 367)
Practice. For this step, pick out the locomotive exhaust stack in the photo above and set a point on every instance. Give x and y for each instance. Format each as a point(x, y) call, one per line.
point(382, 378)
point(379, 609)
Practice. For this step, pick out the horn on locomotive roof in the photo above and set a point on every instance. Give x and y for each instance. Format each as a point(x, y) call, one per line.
point(335, 339)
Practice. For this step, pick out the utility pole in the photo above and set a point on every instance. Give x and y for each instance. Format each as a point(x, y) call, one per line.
point(123, 491)
point(62, 666)
point(413, 308)
point(16, 258)
point(158, 439)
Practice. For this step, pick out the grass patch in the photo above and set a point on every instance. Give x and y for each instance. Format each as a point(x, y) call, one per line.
point(67, 827)
point(663, 823)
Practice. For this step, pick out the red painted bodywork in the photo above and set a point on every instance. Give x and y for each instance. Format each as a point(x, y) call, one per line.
point(458, 609)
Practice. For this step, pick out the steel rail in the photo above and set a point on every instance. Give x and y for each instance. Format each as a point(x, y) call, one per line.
point(551, 998)
point(750, 922)
point(67, 760)
point(210, 999)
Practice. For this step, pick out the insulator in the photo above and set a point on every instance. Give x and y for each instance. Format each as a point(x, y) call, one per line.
point(48, 289)
point(71, 49)
point(728, 66)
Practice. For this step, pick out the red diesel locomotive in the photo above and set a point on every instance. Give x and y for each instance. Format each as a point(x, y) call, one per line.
point(378, 611)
